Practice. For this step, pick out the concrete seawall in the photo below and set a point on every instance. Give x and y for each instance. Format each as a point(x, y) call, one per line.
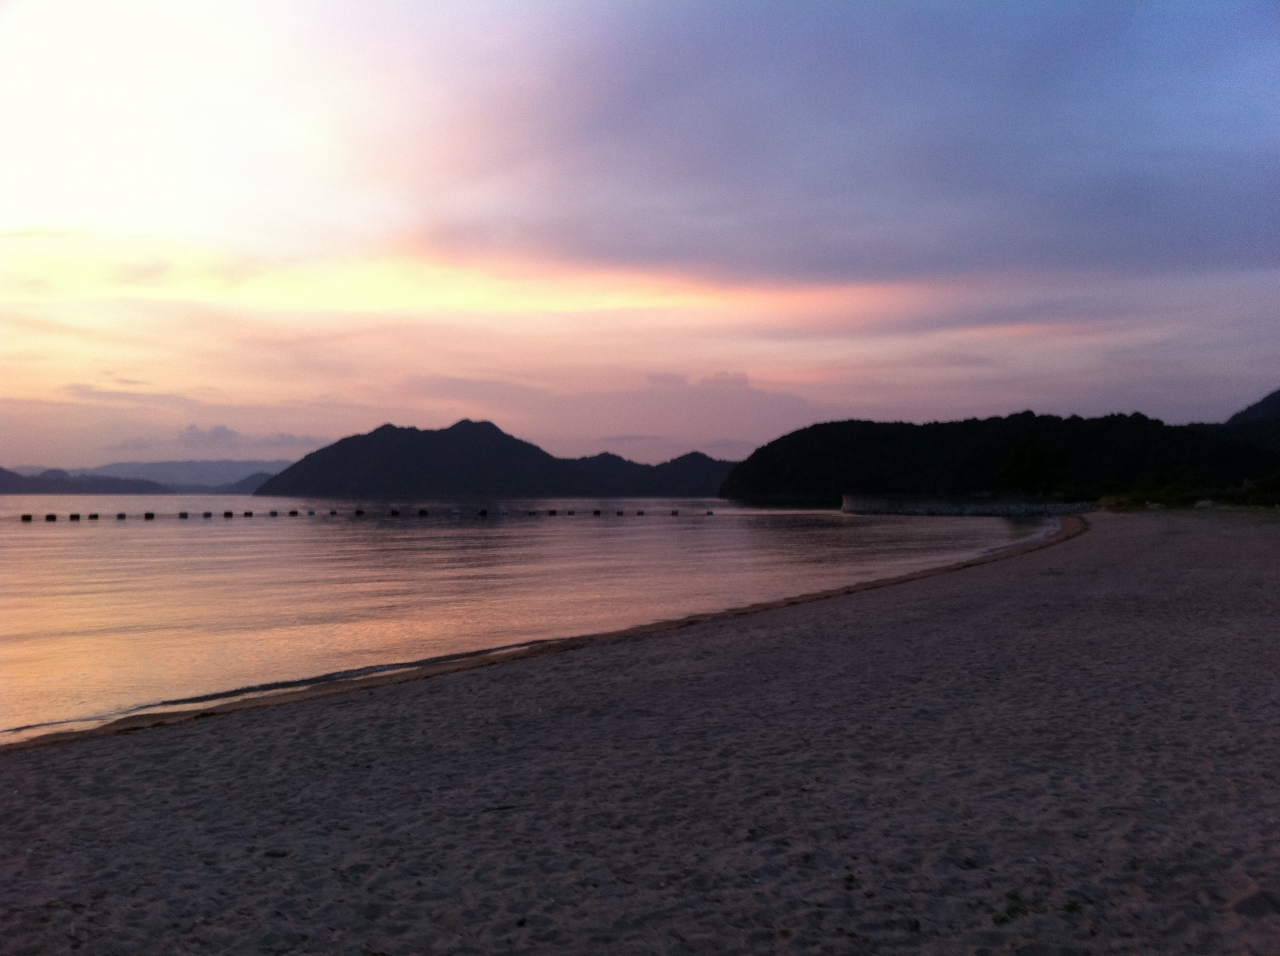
point(961, 505)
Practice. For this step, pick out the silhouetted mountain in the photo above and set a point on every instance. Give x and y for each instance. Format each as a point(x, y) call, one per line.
point(1259, 424)
point(1024, 453)
point(478, 459)
point(55, 481)
point(1266, 410)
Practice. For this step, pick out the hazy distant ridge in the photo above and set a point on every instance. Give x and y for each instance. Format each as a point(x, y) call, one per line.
point(99, 481)
point(210, 473)
point(479, 459)
point(57, 482)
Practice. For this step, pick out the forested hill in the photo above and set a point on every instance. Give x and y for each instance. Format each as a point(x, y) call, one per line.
point(1266, 410)
point(478, 459)
point(1259, 424)
point(1024, 453)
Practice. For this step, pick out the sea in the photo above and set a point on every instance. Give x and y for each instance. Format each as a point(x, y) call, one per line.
point(110, 616)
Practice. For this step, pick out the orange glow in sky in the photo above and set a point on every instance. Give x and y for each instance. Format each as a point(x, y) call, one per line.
point(302, 220)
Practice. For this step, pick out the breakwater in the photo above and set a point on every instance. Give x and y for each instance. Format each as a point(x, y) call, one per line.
point(962, 506)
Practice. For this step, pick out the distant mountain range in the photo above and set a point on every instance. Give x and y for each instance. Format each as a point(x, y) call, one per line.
point(1026, 453)
point(478, 459)
point(144, 478)
point(204, 473)
point(1016, 454)
point(57, 482)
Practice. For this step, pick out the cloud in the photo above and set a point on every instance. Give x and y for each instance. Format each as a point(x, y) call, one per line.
point(726, 380)
point(91, 393)
point(196, 437)
point(220, 438)
point(667, 380)
point(840, 142)
point(643, 226)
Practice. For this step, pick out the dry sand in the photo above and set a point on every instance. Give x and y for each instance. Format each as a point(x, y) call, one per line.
point(1072, 751)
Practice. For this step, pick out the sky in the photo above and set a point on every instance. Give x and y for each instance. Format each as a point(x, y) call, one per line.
point(245, 229)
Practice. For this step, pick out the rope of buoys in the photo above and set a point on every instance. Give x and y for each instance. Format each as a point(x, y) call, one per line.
point(358, 512)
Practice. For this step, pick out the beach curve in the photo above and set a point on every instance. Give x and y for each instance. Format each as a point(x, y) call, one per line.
point(279, 693)
point(1069, 753)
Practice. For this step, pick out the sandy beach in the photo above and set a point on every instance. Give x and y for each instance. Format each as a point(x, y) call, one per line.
point(1071, 751)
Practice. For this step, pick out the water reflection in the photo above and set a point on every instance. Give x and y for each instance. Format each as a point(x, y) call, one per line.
point(100, 617)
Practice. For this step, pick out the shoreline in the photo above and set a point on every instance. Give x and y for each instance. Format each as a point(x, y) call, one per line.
point(1072, 752)
point(305, 689)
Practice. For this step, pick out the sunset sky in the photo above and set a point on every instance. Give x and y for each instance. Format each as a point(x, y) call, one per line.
point(244, 229)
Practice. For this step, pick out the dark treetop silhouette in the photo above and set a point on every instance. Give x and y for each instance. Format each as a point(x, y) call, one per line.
point(1024, 453)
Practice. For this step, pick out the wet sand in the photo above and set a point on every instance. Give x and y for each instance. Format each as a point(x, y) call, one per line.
point(1071, 751)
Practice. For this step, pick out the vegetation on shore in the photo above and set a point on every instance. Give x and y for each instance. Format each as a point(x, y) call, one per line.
point(1249, 494)
point(1131, 459)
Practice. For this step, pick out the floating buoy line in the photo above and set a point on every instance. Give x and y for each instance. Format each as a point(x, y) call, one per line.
point(355, 513)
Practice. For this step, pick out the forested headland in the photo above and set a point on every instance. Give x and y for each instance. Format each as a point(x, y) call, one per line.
point(1129, 457)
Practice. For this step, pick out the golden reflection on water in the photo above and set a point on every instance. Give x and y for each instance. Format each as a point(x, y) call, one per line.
point(100, 617)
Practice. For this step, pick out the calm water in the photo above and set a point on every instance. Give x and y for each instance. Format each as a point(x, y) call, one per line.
point(102, 618)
